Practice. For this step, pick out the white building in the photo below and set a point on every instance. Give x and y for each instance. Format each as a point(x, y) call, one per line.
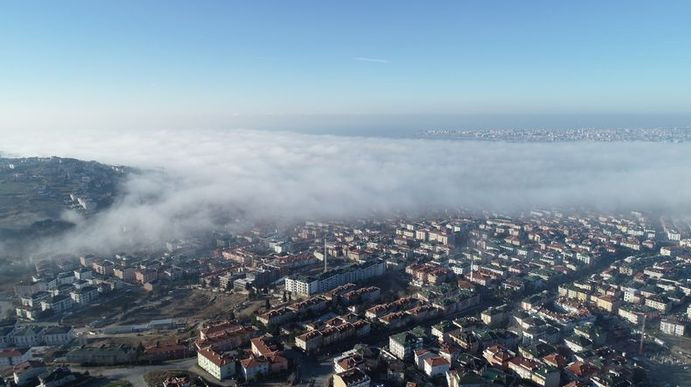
point(57, 336)
point(217, 364)
point(436, 365)
point(28, 336)
point(84, 295)
point(58, 304)
point(673, 326)
point(331, 279)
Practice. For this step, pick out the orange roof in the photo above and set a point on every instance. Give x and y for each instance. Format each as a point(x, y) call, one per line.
point(436, 361)
point(217, 358)
point(579, 368)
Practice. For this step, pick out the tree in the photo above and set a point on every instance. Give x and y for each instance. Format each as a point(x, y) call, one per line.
point(285, 296)
point(267, 304)
point(140, 351)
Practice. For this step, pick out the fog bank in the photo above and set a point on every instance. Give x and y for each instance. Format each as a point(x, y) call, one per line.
point(191, 179)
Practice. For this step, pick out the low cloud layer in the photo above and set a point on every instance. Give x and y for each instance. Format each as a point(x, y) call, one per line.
point(193, 180)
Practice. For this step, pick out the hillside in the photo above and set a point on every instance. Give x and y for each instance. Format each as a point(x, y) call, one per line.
point(35, 192)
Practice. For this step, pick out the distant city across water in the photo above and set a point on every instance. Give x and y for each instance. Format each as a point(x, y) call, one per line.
point(415, 126)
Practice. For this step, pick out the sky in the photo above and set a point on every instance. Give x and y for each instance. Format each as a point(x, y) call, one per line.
point(291, 64)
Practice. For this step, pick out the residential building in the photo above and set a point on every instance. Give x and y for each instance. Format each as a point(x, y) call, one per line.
point(57, 335)
point(673, 326)
point(220, 365)
point(403, 345)
point(351, 378)
point(306, 286)
point(102, 355)
point(436, 365)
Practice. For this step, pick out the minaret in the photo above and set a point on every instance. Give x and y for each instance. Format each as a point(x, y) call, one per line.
point(326, 266)
point(472, 265)
point(640, 347)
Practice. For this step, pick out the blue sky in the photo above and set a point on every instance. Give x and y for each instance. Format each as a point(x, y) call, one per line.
point(157, 63)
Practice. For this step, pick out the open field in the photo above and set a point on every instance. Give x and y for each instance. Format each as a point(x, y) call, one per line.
point(184, 303)
point(135, 306)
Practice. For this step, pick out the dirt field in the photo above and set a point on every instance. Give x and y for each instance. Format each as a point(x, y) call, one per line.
point(195, 305)
point(139, 307)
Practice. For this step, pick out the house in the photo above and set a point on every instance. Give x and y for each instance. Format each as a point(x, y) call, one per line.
point(145, 275)
point(496, 315)
point(220, 365)
point(673, 326)
point(83, 274)
point(103, 355)
point(104, 268)
point(436, 365)
point(225, 336)
point(658, 303)
point(580, 371)
point(166, 351)
point(605, 302)
point(309, 341)
point(466, 340)
point(449, 351)
point(426, 273)
point(546, 376)
point(34, 300)
point(351, 378)
point(498, 356)
point(57, 304)
point(57, 335)
point(578, 343)
point(124, 273)
point(85, 295)
point(265, 348)
point(254, 366)
point(555, 360)
point(523, 367)
point(420, 355)
point(28, 336)
point(347, 361)
point(441, 330)
point(403, 344)
point(276, 317)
